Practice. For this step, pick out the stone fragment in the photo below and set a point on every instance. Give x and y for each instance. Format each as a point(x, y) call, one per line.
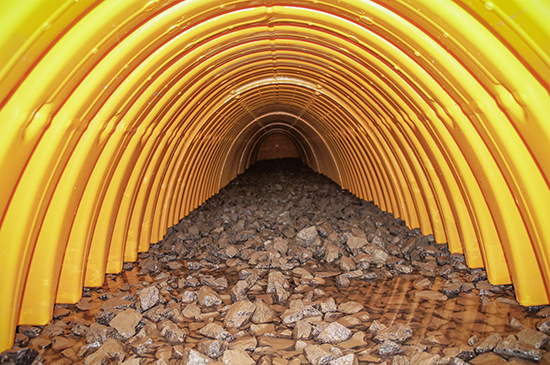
point(349, 359)
point(239, 314)
point(487, 344)
point(544, 325)
point(390, 348)
point(489, 358)
point(346, 264)
point(60, 343)
point(263, 313)
point(244, 343)
point(464, 352)
point(239, 291)
point(116, 303)
point(397, 333)
point(342, 281)
point(21, 356)
point(531, 337)
point(191, 311)
point(237, 357)
point(189, 296)
point(431, 295)
point(212, 348)
point(98, 333)
point(316, 355)
point(350, 307)
point(172, 333)
point(510, 347)
point(125, 322)
point(334, 333)
point(332, 253)
point(308, 235)
point(216, 331)
point(302, 330)
point(355, 244)
point(207, 297)
point(376, 327)
point(451, 289)
point(112, 351)
point(425, 358)
point(193, 357)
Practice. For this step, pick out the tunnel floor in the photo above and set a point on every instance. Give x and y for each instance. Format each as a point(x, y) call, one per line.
point(284, 267)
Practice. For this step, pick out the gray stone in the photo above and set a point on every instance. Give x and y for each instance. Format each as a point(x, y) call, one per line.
point(334, 333)
point(125, 322)
point(239, 314)
point(390, 348)
point(189, 296)
point(208, 297)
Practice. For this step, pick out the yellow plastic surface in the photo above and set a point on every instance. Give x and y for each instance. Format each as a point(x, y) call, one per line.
point(120, 117)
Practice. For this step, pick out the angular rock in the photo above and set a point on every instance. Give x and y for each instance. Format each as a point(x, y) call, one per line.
point(207, 297)
point(302, 330)
point(509, 347)
point(193, 357)
point(533, 338)
point(308, 235)
point(431, 295)
point(316, 355)
point(397, 333)
point(237, 357)
point(350, 307)
point(239, 314)
point(216, 331)
point(125, 322)
point(487, 344)
point(98, 333)
point(334, 333)
point(212, 348)
point(355, 244)
point(263, 313)
point(172, 333)
point(112, 350)
point(390, 348)
point(349, 359)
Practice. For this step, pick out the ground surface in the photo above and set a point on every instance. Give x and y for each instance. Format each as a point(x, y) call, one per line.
point(283, 267)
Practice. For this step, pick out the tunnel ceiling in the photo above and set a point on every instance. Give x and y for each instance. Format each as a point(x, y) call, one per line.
point(120, 117)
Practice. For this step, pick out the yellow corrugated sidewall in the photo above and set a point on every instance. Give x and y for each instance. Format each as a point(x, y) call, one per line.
point(120, 117)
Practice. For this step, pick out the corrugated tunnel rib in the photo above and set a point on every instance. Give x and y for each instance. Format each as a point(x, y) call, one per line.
point(119, 118)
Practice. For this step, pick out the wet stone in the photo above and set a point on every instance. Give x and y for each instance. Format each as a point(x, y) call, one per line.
point(510, 347)
point(397, 333)
point(431, 295)
point(531, 337)
point(215, 331)
point(390, 348)
point(149, 297)
point(212, 348)
point(193, 357)
point(263, 313)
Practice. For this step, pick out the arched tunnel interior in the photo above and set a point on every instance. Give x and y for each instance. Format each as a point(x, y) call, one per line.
point(119, 118)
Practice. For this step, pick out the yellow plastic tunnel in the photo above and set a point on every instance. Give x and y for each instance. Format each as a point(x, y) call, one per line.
point(120, 117)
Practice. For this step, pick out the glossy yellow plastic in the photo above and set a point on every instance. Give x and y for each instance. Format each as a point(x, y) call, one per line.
point(119, 118)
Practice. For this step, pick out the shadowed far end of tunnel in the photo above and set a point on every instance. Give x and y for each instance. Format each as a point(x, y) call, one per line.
point(119, 118)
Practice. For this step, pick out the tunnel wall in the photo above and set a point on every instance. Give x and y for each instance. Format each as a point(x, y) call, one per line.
point(120, 117)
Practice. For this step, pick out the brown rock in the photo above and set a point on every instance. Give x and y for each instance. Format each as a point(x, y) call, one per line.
point(125, 322)
point(334, 333)
point(239, 314)
point(263, 313)
point(208, 297)
point(237, 357)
